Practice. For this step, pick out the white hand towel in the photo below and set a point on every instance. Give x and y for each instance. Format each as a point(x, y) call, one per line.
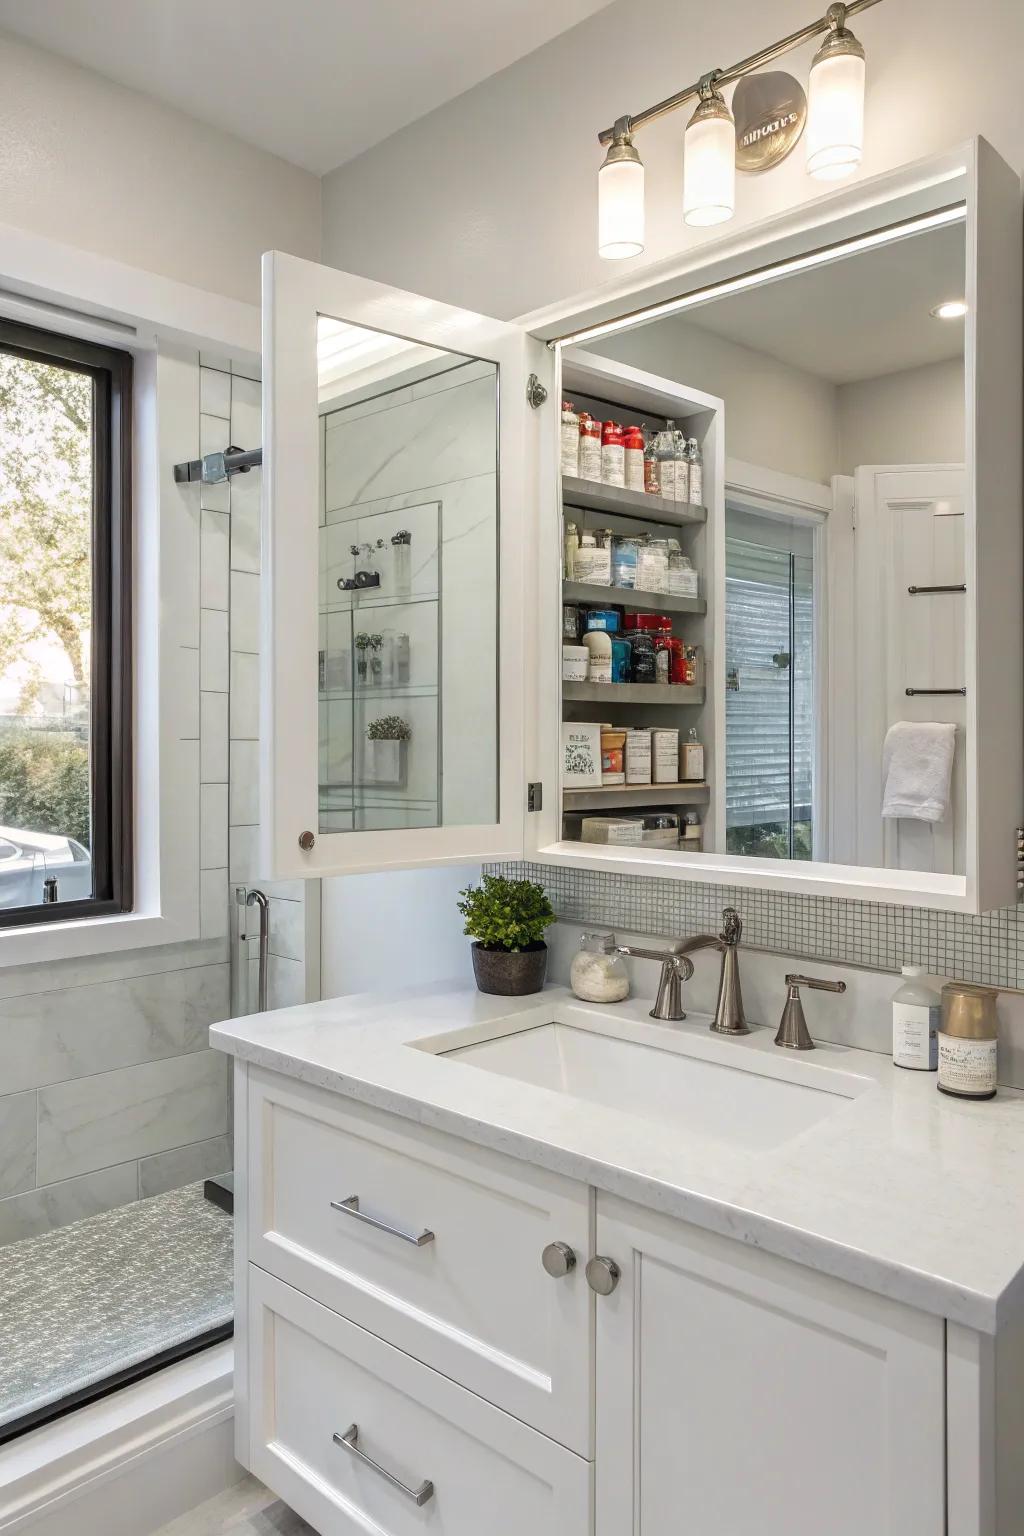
point(917, 766)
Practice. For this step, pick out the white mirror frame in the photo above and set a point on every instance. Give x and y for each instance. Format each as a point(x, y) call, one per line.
point(976, 176)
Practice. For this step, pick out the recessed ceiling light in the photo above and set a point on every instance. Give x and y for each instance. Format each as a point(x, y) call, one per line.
point(950, 309)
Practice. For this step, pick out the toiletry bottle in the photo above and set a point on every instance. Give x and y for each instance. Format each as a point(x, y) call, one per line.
point(696, 463)
point(691, 758)
point(968, 1030)
point(915, 1019)
point(652, 466)
point(682, 463)
point(665, 448)
point(572, 544)
point(613, 455)
point(590, 447)
point(570, 439)
point(633, 440)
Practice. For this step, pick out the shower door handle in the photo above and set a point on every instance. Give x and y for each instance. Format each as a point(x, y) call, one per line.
point(258, 899)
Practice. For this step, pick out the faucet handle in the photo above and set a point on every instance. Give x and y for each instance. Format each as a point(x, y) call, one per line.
point(793, 1032)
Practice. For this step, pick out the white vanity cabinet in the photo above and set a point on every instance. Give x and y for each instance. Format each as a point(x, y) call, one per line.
point(415, 1317)
point(762, 1398)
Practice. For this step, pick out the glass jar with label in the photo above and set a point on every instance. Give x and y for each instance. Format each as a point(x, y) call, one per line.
point(652, 566)
point(695, 460)
point(598, 974)
point(624, 558)
point(968, 1031)
point(592, 562)
point(665, 451)
point(652, 466)
point(682, 465)
point(633, 444)
point(643, 667)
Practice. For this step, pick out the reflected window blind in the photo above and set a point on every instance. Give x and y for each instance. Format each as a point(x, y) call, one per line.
point(761, 586)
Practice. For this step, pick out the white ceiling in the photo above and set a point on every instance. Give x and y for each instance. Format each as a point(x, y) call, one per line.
point(856, 318)
point(315, 81)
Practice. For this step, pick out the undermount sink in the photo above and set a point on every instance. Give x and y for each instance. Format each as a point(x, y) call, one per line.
point(752, 1102)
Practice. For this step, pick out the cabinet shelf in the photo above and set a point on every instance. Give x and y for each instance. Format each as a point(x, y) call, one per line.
point(595, 497)
point(628, 597)
point(632, 693)
point(625, 795)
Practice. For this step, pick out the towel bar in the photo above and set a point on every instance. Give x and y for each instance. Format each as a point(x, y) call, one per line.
point(911, 692)
point(927, 591)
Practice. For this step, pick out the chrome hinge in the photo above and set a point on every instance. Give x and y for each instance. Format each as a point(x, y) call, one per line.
point(535, 797)
point(536, 394)
point(1020, 863)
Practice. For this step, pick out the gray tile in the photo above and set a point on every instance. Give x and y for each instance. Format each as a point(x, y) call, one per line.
point(245, 522)
point(40, 1210)
point(245, 697)
point(97, 1121)
point(213, 651)
point(242, 864)
point(214, 560)
point(286, 982)
point(183, 1165)
point(17, 1142)
point(213, 826)
point(48, 1037)
point(213, 903)
point(214, 392)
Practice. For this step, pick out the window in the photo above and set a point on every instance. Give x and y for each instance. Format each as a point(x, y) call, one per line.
point(65, 628)
point(769, 640)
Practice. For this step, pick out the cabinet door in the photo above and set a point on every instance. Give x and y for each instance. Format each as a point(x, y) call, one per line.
point(742, 1395)
point(399, 461)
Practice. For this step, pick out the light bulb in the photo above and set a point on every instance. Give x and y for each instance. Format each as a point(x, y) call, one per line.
point(620, 199)
point(709, 161)
point(835, 103)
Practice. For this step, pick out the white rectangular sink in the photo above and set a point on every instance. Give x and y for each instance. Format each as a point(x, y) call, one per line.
point(750, 1102)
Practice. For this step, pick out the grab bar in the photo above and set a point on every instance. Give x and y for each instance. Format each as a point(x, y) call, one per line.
point(912, 692)
point(258, 899)
point(927, 591)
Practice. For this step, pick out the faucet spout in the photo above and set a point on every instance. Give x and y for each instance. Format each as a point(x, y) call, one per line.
point(730, 1018)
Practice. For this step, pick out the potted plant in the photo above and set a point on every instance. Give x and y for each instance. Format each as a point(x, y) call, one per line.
point(507, 919)
point(387, 754)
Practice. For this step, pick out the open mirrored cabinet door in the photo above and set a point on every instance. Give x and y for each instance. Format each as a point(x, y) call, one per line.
point(802, 621)
point(398, 450)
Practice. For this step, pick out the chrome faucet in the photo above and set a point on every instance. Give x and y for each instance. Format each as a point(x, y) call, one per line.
point(677, 967)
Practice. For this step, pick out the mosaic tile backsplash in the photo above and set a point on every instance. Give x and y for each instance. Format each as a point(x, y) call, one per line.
point(985, 949)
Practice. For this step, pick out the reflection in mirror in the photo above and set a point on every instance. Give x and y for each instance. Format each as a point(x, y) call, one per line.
point(827, 407)
point(407, 672)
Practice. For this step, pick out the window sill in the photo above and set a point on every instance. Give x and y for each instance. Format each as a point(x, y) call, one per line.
point(91, 936)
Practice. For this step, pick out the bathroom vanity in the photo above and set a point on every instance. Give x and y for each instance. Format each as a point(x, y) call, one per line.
point(531, 1264)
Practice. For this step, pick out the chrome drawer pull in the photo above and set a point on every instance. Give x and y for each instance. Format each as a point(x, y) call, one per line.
point(350, 1207)
point(350, 1441)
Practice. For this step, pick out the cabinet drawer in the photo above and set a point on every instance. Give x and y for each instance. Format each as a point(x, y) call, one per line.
point(317, 1379)
point(442, 1257)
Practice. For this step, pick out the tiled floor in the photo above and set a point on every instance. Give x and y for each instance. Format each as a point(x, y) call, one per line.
point(95, 1298)
point(248, 1509)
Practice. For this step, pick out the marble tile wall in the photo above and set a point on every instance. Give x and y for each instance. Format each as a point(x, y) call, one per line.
point(108, 1091)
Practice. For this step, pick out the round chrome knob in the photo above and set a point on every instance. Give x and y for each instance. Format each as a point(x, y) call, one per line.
point(558, 1259)
point(306, 841)
point(603, 1275)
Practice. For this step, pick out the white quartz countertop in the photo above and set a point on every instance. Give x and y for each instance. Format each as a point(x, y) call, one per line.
point(902, 1190)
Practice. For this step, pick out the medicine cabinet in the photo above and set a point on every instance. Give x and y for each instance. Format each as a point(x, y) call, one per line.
point(807, 676)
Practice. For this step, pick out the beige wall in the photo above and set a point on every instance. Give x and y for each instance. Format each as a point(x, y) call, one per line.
point(779, 417)
point(85, 161)
point(916, 417)
point(491, 200)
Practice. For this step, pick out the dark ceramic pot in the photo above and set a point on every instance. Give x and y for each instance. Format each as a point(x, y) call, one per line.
point(510, 973)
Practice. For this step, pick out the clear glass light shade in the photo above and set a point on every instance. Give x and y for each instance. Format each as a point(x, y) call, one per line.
point(709, 166)
point(620, 209)
point(835, 113)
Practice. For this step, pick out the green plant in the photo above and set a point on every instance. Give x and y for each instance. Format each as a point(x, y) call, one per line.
point(506, 914)
point(389, 728)
point(44, 783)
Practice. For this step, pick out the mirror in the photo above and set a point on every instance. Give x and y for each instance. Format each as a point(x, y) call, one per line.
point(824, 413)
point(408, 604)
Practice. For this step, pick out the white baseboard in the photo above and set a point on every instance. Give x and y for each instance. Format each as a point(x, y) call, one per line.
point(130, 1463)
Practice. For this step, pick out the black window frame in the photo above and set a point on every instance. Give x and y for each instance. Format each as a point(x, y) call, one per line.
point(111, 692)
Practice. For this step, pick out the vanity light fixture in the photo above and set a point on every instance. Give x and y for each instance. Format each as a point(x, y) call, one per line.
point(950, 309)
point(620, 198)
point(835, 133)
point(709, 159)
point(835, 102)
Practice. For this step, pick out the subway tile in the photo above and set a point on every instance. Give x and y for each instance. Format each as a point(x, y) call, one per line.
point(112, 1117)
point(246, 411)
point(242, 861)
point(214, 392)
point(246, 368)
point(213, 826)
point(288, 929)
point(244, 809)
point(40, 1210)
point(286, 982)
point(214, 676)
point(214, 437)
point(245, 611)
point(214, 560)
point(184, 700)
point(213, 903)
point(184, 1165)
point(245, 697)
point(17, 1142)
point(213, 738)
point(49, 1037)
point(245, 521)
